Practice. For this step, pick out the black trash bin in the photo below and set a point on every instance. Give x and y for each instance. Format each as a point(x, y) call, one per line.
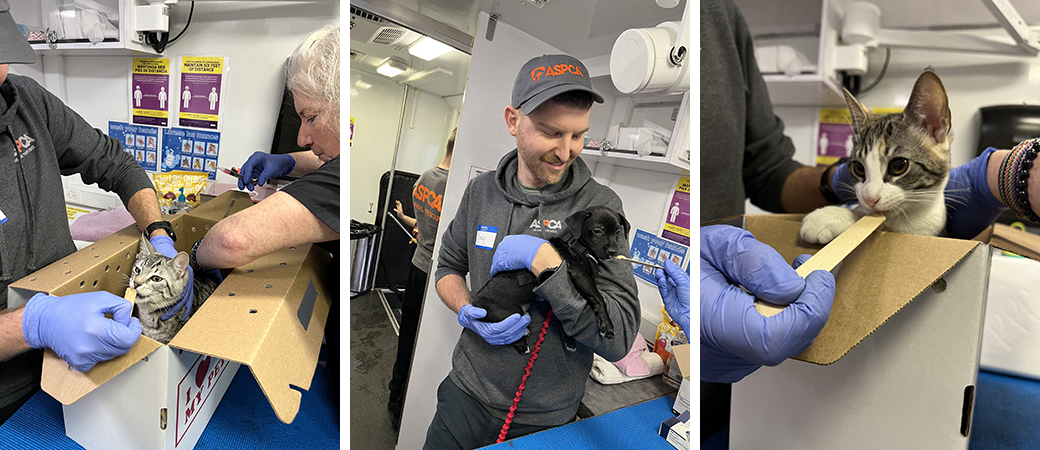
point(364, 238)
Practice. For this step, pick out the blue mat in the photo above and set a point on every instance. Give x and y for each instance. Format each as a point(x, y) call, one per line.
point(1007, 411)
point(631, 427)
point(243, 420)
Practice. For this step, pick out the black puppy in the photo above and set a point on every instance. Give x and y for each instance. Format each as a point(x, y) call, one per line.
point(589, 237)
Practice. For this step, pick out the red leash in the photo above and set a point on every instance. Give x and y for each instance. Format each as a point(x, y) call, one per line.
point(534, 356)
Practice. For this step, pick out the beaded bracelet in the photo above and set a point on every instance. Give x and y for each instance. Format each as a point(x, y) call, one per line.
point(1013, 179)
point(191, 258)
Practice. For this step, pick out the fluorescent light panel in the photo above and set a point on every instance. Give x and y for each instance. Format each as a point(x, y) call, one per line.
point(392, 66)
point(428, 48)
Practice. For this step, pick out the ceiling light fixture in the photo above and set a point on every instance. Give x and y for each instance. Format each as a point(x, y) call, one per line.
point(428, 48)
point(392, 66)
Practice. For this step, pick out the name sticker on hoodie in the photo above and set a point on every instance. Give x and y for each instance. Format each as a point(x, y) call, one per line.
point(486, 237)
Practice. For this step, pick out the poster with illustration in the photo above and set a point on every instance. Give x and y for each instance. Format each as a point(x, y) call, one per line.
point(189, 149)
point(201, 91)
point(138, 141)
point(677, 213)
point(150, 91)
point(653, 249)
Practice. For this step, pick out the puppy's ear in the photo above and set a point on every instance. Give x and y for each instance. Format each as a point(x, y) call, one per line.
point(573, 226)
point(624, 223)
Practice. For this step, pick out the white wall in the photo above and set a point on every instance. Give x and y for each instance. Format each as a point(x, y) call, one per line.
point(256, 36)
point(376, 110)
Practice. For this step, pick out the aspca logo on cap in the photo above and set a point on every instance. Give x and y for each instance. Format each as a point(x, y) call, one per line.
point(558, 69)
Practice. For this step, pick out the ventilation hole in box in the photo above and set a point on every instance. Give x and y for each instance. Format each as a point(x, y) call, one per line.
point(939, 286)
point(145, 359)
point(81, 283)
point(177, 225)
point(127, 255)
point(120, 242)
point(207, 227)
point(252, 311)
point(249, 270)
point(106, 267)
point(97, 256)
point(32, 279)
point(118, 267)
point(66, 262)
point(268, 286)
point(93, 248)
point(192, 229)
point(969, 401)
point(95, 283)
point(231, 294)
point(281, 264)
point(162, 418)
point(68, 272)
point(292, 248)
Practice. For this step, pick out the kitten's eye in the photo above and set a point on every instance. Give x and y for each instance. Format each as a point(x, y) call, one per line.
point(857, 169)
point(898, 166)
point(156, 278)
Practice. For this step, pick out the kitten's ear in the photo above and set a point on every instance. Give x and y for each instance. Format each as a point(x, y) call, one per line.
point(180, 263)
point(928, 106)
point(860, 113)
point(146, 246)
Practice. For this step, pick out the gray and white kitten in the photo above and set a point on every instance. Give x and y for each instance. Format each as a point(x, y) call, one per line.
point(159, 282)
point(899, 166)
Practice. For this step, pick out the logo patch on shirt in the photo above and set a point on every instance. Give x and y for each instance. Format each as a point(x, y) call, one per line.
point(23, 146)
point(548, 224)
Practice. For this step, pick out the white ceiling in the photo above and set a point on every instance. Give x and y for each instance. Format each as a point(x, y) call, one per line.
point(582, 28)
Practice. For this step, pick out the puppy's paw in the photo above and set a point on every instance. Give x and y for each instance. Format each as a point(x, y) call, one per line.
point(825, 224)
point(609, 334)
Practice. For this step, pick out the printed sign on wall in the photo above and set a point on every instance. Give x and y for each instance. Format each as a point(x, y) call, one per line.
point(652, 249)
point(150, 91)
point(191, 150)
point(201, 92)
point(140, 141)
point(677, 214)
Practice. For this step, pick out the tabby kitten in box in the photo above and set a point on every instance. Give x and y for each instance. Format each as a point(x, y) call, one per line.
point(899, 166)
point(159, 282)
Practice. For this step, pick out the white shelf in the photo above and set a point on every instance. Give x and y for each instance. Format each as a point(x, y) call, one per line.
point(654, 163)
point(803, 90)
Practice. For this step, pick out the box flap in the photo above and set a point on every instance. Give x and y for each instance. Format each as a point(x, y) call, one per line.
point(67, 385)
point(222, 206)
point(270, 315)
point(1016, 241)
point(875, 282)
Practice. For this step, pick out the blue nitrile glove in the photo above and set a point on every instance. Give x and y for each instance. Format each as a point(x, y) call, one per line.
point(264, 166)
point(505, 332)
point(75, 326)
point(515, 252)
point(164, 245)
point(735, 339)
point(841, 184)
point(674, 285)
point(970, 206)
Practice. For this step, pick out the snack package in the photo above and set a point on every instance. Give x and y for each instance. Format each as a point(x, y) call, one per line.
point(179, 190)
point(666, 331)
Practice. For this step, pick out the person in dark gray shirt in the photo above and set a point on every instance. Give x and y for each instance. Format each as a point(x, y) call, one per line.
point(427, 198)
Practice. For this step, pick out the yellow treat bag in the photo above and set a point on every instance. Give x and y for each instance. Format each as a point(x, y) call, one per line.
point(179, 190)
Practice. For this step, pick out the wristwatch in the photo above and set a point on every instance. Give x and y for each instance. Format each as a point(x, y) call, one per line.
point(161, 224)
point(546, 274)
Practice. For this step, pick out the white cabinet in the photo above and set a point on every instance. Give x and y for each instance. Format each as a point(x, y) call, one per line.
point(87, 27)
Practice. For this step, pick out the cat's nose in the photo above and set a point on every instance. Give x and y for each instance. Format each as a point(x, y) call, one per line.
point(871, 202)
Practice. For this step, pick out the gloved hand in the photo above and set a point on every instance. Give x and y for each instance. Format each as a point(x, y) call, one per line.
point(164, 245)
point(841, 184)
point(970, 206)
point(186, 300)
point(75, 327)
point(264, 166)
point(735, 339)
point(674, 285)
point(515, 252)
point(505, 332)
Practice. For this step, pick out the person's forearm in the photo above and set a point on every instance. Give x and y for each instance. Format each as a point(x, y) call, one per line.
point(144, 207)
point(306, 162)
point(408, 221)
point(801, 191)
point(993, 175)
point(453, 292)
point(12, 339)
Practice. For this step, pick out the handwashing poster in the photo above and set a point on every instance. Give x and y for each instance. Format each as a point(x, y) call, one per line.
point(190, 150)
point(647, 247)
point(139, 141)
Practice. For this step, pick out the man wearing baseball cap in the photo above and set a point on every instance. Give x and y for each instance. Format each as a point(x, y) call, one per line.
point(502, 224)
point(40, 140)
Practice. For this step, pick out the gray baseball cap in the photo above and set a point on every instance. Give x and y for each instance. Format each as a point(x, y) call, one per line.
point(547, 76)
point(14, 49)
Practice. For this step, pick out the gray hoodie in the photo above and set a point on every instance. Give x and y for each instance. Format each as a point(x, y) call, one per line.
point(490, 373)
point(40, 140)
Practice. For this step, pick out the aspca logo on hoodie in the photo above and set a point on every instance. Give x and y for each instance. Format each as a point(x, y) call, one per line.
point(548, 224)
point(23, 146)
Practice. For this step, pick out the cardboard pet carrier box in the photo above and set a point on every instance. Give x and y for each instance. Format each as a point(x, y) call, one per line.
point(896, 364)
point(268, 315)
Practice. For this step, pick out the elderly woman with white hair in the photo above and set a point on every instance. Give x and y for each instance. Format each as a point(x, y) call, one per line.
point(307, 211)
